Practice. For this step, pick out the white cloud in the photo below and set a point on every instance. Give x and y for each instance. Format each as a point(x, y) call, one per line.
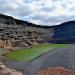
point(44, 12)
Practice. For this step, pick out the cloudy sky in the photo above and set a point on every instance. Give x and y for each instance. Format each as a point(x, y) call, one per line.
point(43, 12)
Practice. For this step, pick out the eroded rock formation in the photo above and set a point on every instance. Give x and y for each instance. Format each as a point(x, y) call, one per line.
point(6, 44)
point(22, 33)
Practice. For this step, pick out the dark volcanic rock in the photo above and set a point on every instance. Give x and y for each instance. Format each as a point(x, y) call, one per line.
point(64, 33)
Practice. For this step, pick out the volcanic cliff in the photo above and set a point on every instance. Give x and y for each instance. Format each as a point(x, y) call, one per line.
point(14, 32)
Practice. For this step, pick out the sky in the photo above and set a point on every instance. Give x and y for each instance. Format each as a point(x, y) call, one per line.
point(40, 12)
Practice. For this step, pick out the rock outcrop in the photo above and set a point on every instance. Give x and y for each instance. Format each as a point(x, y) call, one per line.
point(21, 33)
point(6, 44)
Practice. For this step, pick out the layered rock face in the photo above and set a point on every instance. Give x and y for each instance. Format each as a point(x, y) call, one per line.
point(56, 71)
point(15, 32)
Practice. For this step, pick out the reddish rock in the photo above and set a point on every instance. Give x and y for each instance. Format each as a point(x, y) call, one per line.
point(56, 71)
